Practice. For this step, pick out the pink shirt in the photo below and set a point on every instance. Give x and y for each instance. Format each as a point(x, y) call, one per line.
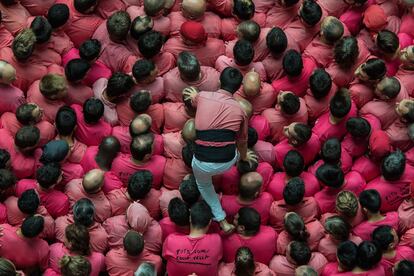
point(408, 238)
point(228, 25)
point(398, 134)
point(334, 8)
point(119, 263)
point(407, 22)
point(328, 246)
point(165, 198)
point(401, 253)
point(367, 168)
point(210, 21)
point(78, 93)
point(229, 270)
point(280, 180)
point(173, 144)
point(316, 107)
point(116, 227)
point(162, 23)
point(404, 76)
point(308, 209)
point(168, 227)
point(156, 89)
point(261, 125)
point(175, 116)
point(266, 98)
point(110, 115)
point(346, 163)
point(223, 61)
point(302, 34)
point(174, 172)
point(124, 137)
point(281, 16)
point(174, 85)
point(282, 267)
point(77, 151)
point(12, 97)
point(260, 47)
point(405, 212)
point(6, 37)
point(14, 17)
point(107, 7)
point(265, 152)
point(365, 229)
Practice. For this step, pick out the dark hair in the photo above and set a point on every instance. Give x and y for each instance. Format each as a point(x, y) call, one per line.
point(337, 227)
point(90, 49)
point(84, 212)
point(141, 146)
point(333, 30)
point(139, 184)
point(76, 69)
point(249, 30)
point(358, 127)
point(340, 104)
point(150, 43)
point(93, 110)
point(189, 190)
point(393, 165)
point(369, 255)
point(375, 68)
point(252, 137)
point(243, 52)
point(107, 151)
point(4, 158)
point(303, 133)
point(293, 163)
point(24, 113)
point(300, 252)
point(118, 25)
point(66, 121)
point(370, 200)
point(346, 52)
point(187, 154)
point(404, 268)
point(346, 253)
point(142, 69)
point(290, 103)
point(294, 191)
point(7, 179)
point(200, 214)
point(140, 25)
point(47, 175)
point(387, 41)
point(250, 219)
point(290, 3)
point(179, 212)
point(245, 167)
point(391, 87)
point(320, 83)
point(331, 151)
point(140, 101)
point(32, 226)
point(28, 202)
point(24, 44)
point(231, 79)
point(188, 66)
point(310, 12)
point(276, 41)
point(330, 175)
point(83, 6)
point(133, 243)
point(409, 116)
point(58, 15)
point(27, 136)
point(296, 227)
point(42, 29)
point(292, 63)
point(78, 237)
point(119, 84)
point(244, 262)
point(383, 237)
point(243, 9)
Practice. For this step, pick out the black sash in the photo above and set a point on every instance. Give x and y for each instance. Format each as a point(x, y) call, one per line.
point(215, 154)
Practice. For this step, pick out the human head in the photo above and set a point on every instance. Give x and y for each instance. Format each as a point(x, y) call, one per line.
point(150, 44)
point(193, 33)
point(53, 87)
point(48, 175)
point(93, 181)
point(310, 12)
point(58, 15)
point(189, 191)
point(370, 201)
point(293, 163)
point(146, 269)
point(331, 151)
point(23, 45)
point(332, 29)
point(346, 255)
point(246, 106)
point(292, 63)
point(7, 73)
point(385, 237)
point(346, 204)
point(42, 29)
point(76, 69)
point(107, 151)
point(244, 262)
point(320, 83)
point(288, 102)
point(140, 25)
point(90, 49)
point(84, 212)
point(230, 79)
point(141, 147)
point(243, 52)
point(28, 202)
point(27, 138)
point(251, 84)
point(393, 166)
point(243, 9)
point(32, 226)
point(189, 132)
point(55, 151)
point(200, 215)
point(93, 110)
point(193, 9)
point(247, 221)
point(250, 185)
point(7, 268)
point(407, 56)
point(346, 52)
point(144, 71)
point(133, 243)
point(29, 113)
point(330, 175)
point(374, 18)
point(405, 109)
point(387, 42)
point(4, 159)
point(140, 124)
point(298, 253)
point(373, 69)
point(276, 41)
point(77, 239)
point(139, 184)
point(252, 137)
point(297, 133)
point(340, 104)
point(248, 30)
point(369, 255)
point(74, 265)
point(294, 191)
point(118, 25)
point(153, 7)
point(387, 88)
point(85, 6)
point(187, 153)
point(65, 121)
point(404, 268)
point(305, 270)
point(7, 179)
point(245, 167)
point(358, 127)
point(295, 226)
point(188, 66)
point(338, 228)
point(178, 212)
point(119, 84)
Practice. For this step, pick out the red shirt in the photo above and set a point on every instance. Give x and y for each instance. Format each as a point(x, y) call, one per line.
point(365, 229)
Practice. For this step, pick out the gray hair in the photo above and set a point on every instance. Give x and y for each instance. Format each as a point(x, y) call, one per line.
point(146, 269)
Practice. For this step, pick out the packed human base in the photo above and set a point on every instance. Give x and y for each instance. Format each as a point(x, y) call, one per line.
point(207, 137)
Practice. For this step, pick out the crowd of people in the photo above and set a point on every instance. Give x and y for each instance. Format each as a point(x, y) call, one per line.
point(207, 137)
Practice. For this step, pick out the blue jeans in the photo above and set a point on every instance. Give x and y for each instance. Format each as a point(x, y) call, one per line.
point(204, 172)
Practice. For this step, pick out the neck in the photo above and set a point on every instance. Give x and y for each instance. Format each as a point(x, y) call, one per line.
point(196, 232)
point(244, 200)
point(138, 162)
point(334, 120)
point(374, 217)
point(68, 139)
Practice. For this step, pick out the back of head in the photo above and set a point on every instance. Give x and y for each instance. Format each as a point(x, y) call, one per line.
point(244, 262)
point(153, 7)
point(4, 159)
point(140, 25)
point(393, 165)
point(243, 52)
point(374, 68)
point(142, 69)
point(369, 255)
point(330, 175)
point(320, 83)
point(305, 270)
point(243, 9)
point(276, 41)
point(383, 237)
point(118, 25)
point(252, 137)
point(93, 110)
point(347, 255)
point(150, 44)
point(24, 113)
point(388, 88)
point(340, 104)
point(189, 190)
point(358, 127)
point(188, 66)
point(310, 12)
point(53, 86)
point(292, 63)
point(27, 137)
point(76, 69)
point(193, 9)
point(90, 49)
point(231, 79)
point(118, 85)
point(302, 134)
point(66, 121)
point(7, 268)
point(84, 212)
point(140, 101)
point(77, 235)
point(293, 163)
point(74, 266)
point(332, 29)
point(110, 146)
point(141, 146)
point(338, 228)
point(387, 42)
point(331, 151)
point(250, 219)
point(32, 226)
point(42, 29)
point(294, 191)
point(7, 179)
point(370, 200)
point(85, 6)
point(140, 124)
point(189, 132)
point(346, 52)
point(178, 212)
point(296, 227)
point(289, 103)
point(58, 15)
point(299, 252)
point(346, 204)
point(28, 202)
point(246, 167)
point(146, 269)
point(93, 181)
point(250, 185)
point(200, 215)
point(404, 268)
point(249, 30)
point(133, 243)
point(139, 184)
point(23, 44)
point(55, 151)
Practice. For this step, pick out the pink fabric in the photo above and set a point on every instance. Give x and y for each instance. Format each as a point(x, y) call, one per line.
point(12, 97)
point(317, 107)
point(361, 93)
point(223, 61)
point(407, 22)
point(77, 151)
point(302, 34)
point(280, 180)
point(116, 227)
point(210, 21)
point(174, 172)
point(266, 98)
point(261, 125)
point(346, 163)
point(229, 270)
point(228, 25)
point(260, 47)
point(14, 17)
point(398, 134)
point(282, 267)
point(365, 229)
point(401, 253)
point(6, 37)
point(165, 198)
point(405, 212)
point(78, 94)
point(352, 19)
point(280, 16)
point(173, 144)
point(265, 152)
point(328, 246)
point(175, 116)
point(367, 168)
point(110, 115)
point(156, 89)
point(168, 227)
point(334, 8)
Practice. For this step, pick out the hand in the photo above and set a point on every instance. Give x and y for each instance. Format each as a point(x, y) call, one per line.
point(250, 157)
point(190, 93)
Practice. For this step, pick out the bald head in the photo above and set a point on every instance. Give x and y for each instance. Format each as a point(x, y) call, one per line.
point(251, 84)
point(248, 30)
point(250, 185)
point(93, 181)
point(246, 106)
point(140, 124)
point(388, 88)
point(193, 9)
point(189, 133)
point(332, 29)
point(7, 73)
